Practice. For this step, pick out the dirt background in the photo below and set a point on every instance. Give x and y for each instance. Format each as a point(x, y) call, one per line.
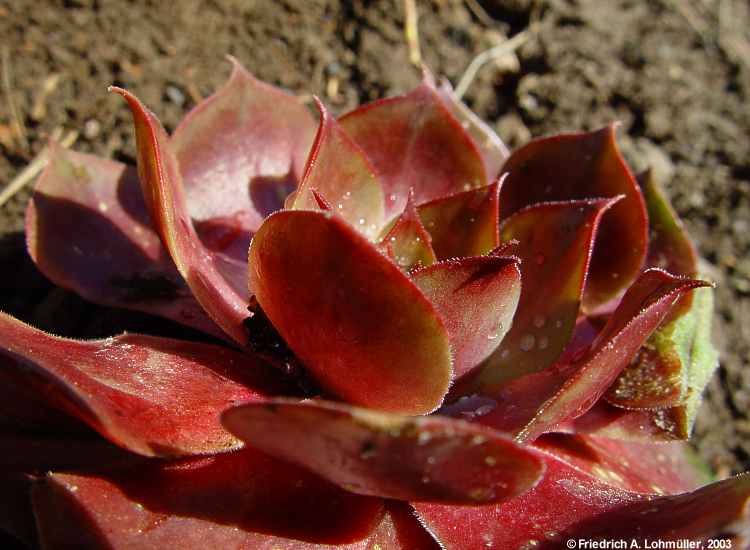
point(676, 73)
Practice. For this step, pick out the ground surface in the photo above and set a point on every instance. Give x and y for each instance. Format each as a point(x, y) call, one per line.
point(674, 72)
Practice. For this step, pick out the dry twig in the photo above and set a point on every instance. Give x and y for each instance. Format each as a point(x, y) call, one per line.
point(496, 52)
point(411, 30)
point(35, 166)
point(16, 121)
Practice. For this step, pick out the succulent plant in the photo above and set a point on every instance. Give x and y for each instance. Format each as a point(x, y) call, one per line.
point(432, 342)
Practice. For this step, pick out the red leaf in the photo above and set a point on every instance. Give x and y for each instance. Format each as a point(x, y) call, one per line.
point(556, 240)
point(574, 502)
point(408, 243)
point(464, 224)
point(236, 500)
point(216, 280)
point(717, 511)
point(493, 150)
point(425, 458)
point(477, 298)
point(340, 171)
point(603, 419)
point(242, 150)
point(582, 166)
point(153, 396)
point(345, 310)
point(642, 309)
point(659, 468)
point(111, 255)
point(414, 142)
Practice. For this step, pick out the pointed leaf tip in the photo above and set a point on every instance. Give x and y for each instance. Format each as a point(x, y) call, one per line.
point(215, 281)
point(339, 170)
point(427, 149)
point(584, 166)
point(477, 298)
point(153, 396)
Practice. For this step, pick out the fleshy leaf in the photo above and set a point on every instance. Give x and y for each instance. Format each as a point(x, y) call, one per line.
point(477, 298)
point(660, 468)
point(551, 399)
point(234, 500)
point(339, 170)
point(717, 511)
point(582, 166)
point(642, 309)
point(408, 243)
point(153, 396)
point(241, 151)
point(415, 142)
point(575, 503)
point(406, 458)
point(464, 224)
point(345, 310)
point(493, 150)
point(216, 281)
point(669, 246)
point(677, 361)
point(667, 424)
point(556, 240)
point(111, 255)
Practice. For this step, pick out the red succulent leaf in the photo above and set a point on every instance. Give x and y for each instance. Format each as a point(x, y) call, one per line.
point(662, 468)
point(581, 166)
point(345, 310)
point(642, 309)
point(235, 500)
point(716, 511)
point(556, 240)
point(464, 224)
point(241, 151)
point(477, 298)
point(415, 142)
point(339, 170)
point(550, 399)
point(153, 396)
point(664, 424)
point(408, 243)
point(572, 502)
point(674, 365)
point(669, 246)
point(432, 458)
point(216, 280)
point(111, 255)
point(493, 150)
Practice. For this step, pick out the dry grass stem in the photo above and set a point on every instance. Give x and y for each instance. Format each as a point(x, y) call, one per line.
point(411, 30)
point(35, 166)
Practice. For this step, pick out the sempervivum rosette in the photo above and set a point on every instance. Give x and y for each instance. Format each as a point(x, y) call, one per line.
point(430, 343)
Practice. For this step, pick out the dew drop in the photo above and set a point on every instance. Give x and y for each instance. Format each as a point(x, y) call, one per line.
point(558, 323)
point(361, 221)
point(527, 342)
point(492, 336)
point(393, 239)
point(347, 194)
point(423, 438)
point(484, 409)
point(490, 460)
point(426, 479)
point(504, 354)
point(392, 197)
point(340, 206)
point(543, 342)
point(539, 321)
